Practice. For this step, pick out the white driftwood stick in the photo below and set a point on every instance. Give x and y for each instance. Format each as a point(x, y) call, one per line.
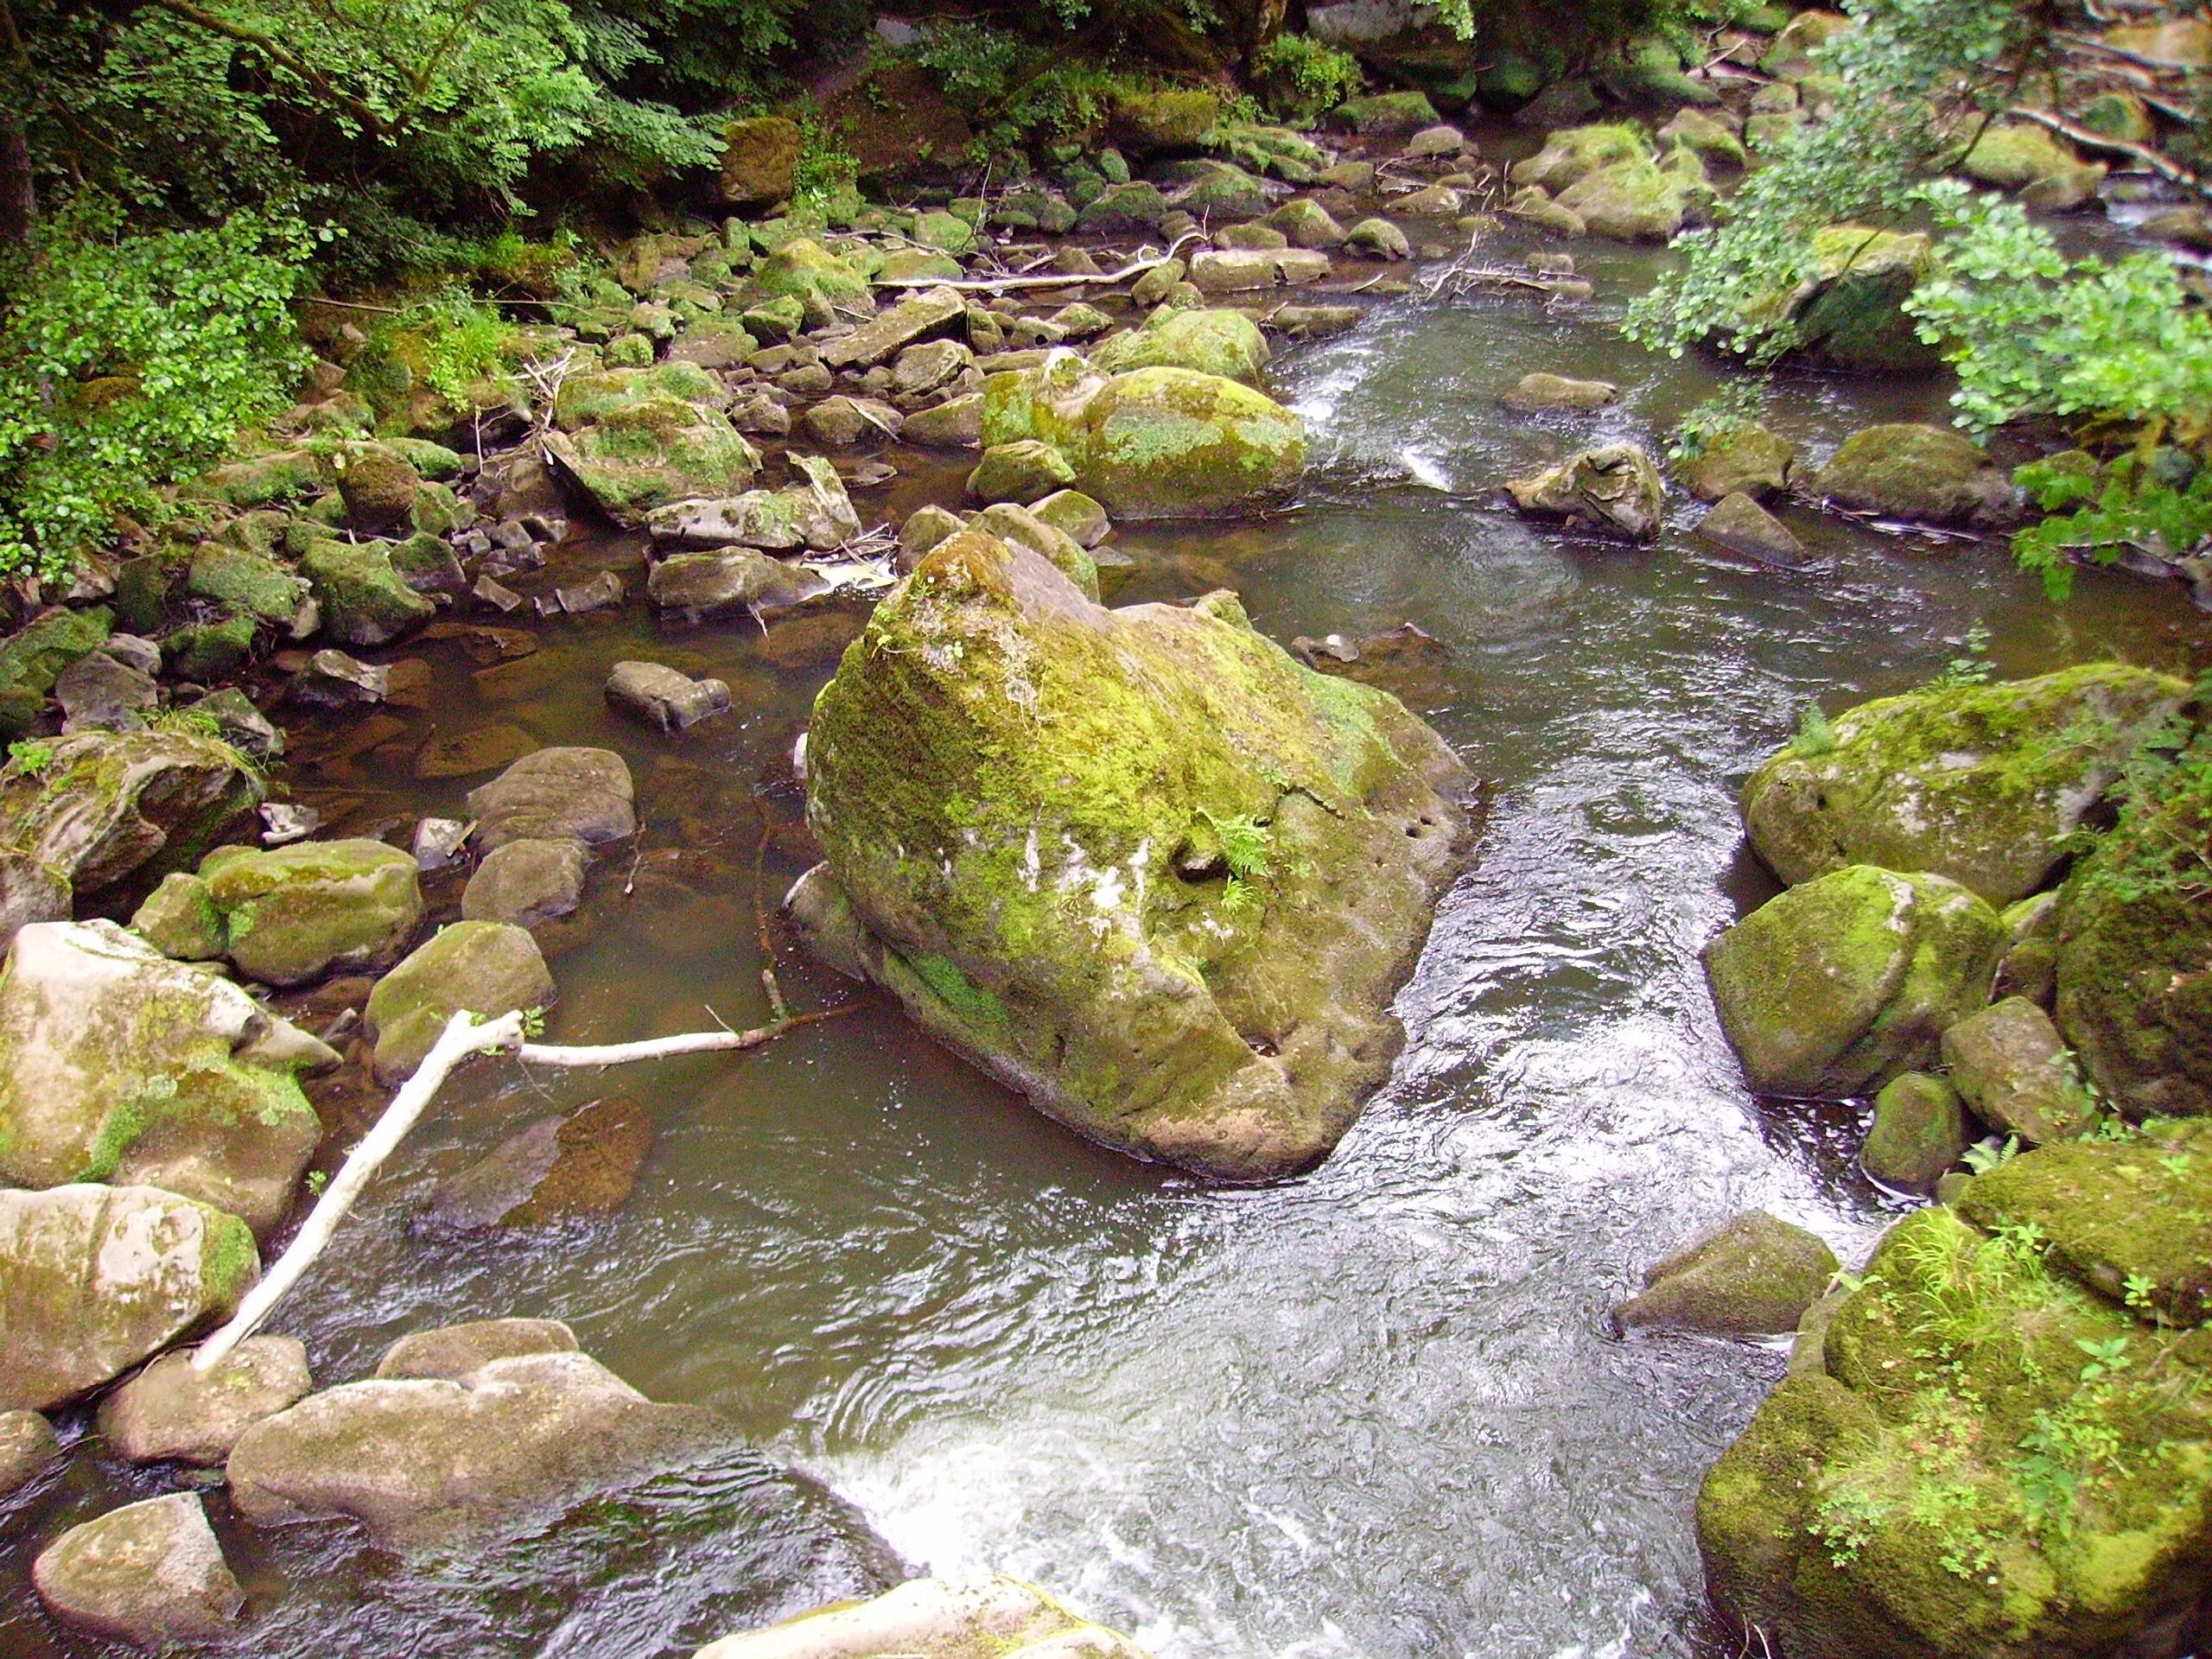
point(1050, 279)
point(462, 1037)
point(465, 1035)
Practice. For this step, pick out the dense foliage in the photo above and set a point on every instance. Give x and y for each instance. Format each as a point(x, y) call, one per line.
point(2115, 347)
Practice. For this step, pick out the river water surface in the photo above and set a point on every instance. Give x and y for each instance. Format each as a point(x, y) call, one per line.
point(1372, 1413)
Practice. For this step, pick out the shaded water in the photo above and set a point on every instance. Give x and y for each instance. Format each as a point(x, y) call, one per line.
point(1373, 1412)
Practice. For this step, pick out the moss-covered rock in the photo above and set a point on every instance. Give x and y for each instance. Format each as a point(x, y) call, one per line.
point(247, 581)
point(648, 453)
point(1614, 490)
point(32, 657)
point(364, 600)
point(1173, 118)
point(1746, 458)
point(1920, 1131)
point(1138, 864)
point(1910, 471)
point(1790, 56)
point(94, 1278)
point(1023, 471)
point(179, 919)
point(1018, 525)
point(1850, 313)
point(1305, 224)
point(117, 1064)
point(2134, 991)
point(1961, 1485)
point(933, 1619)
point(2028, 158)
point(1157, 442)
point(295, 913)
point(488, 968)
point(1631, 201)
point(1978, 782)
point(1571, 155)
point(1384, 113)
point(1224, 343)
point(1837, 986)
point(760, 159)
point(101, 808)
point(1751, 1275)
point(803, 270)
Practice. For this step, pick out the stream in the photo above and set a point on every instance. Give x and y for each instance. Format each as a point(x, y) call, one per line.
point(1374, 1412)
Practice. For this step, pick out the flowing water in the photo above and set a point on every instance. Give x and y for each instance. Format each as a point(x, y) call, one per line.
point(1373, 1412)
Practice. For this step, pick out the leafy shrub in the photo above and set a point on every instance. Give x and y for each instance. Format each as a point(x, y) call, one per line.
point(1300, 77)
point(127, 362)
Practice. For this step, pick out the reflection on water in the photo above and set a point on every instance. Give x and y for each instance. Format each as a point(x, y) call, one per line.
point(1373, 1412)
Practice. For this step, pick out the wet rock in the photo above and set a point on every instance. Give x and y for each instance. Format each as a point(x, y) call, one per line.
point(334, 680)
point(1407, 661)
point(1533, 392)
point(1744, 459)
point(661, 696)
point(585, 794)
point(2127, 1215)
point(1920, 1131)
point(171, 1414)
point(555, 1170)
point(1907, 471)
point(1614, 489)
point(1837, 986)
point(599, 592)
point(1023, 471)
point(1384, 113)
point(1573, 153)
point(636, 439)
point(453, 1351)
point(488, 968)
point(926, 527)
point(815, 512)
point(116, 1063)
point(1630, 202)
point(94, 1278)
point(480, 748)
point(1533, 204)
point(1226, 343)
point(2012, 1068)
point(1754, 1276)
point(922, 369)
point(697, 586)
point(27, 1450)
point(526, 882)
point(1850, 312)
point(1437, 201)
point(437, 1462)
point(1152, 442)
point(1305, 224)
point(2030, 160)
point(101, 808)
point(1155, 284)
point(1709, 135)
point(149, 1574)
point(1239, 270)
point(1978, 782)
point(239, 723)
point(934, 1618)
point(1742, 525)
point(1314, 322)
point(926, 316)
point(761, 156)
point(956, 424)
point(1243, 1040)
point(97, 693)
point(298, 913)
point(1012, 524)
point(1074, 514)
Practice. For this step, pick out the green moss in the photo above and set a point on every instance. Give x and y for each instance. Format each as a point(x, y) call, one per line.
point(229, 1263)
point(969, 1000)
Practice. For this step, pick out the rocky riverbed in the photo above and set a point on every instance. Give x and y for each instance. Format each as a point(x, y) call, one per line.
point(792, 557)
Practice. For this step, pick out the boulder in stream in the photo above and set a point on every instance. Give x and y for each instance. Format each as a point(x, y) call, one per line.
point(170, 1413)
point(1614, 490)
point(935, 1618)
point(149, 1574)
point(580, 793)
point(1920, 1132)
point(664, 698)
point(1981, 784)
point(1138, 864)
point(94, 1278)
point(29, 1448)
point(1751, 1275)
point(1837, 986)
point(486, 968)
point(484, 1452)
point(1226, 343)
point(117, 1064)
point(1156, 442)
point(295, 913)
point(527, 882)
point(102, 808)
point(1908, 471)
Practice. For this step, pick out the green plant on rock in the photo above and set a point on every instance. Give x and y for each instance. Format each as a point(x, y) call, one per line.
point(825, 185)
point(1301, 77)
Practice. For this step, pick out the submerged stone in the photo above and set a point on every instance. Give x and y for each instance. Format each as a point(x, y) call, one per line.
point(1109, 856)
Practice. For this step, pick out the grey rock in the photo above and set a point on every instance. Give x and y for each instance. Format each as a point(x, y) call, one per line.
point(148, 1573)
point(487, 969)
point(580, 792)
point(452, 1351)
point(98, 693)
point(2010, 1065)
point(170, 1413)
point(701, 586)
point(661, 696)
point(27, 1450)
point(526, 882)
point(334, 680)
point(1742, 525)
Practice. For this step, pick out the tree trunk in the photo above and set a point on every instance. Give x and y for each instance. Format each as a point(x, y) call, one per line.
point(18, 192)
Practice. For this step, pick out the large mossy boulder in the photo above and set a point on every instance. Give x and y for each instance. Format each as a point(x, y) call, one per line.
point(1955, 1482)
point(1138, 864)
point(2018, 155)
point(485, 1450)
point(1978, 782)
point(486, 968)
point(295, 913)
point(1226, 343)
point(760, 159)
point(1909, 471)
point(2134, 977)
point(1754, 1275)
point(94, 1278)
point(633, 440)
point(1152, 444)
point(1634, 201)
point(1834, 987)
point(34, 656)
point(117, 1064)
point(101, 808)
point(804, 270)
point(1573, 153)
point(365, 600)
point(934, 1618)
point(1850, 312)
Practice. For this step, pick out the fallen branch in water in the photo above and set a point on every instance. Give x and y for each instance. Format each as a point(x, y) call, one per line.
point(1056, 279)
point(464, 1036)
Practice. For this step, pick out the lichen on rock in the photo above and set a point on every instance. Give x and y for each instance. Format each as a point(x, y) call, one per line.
point(1139, 864)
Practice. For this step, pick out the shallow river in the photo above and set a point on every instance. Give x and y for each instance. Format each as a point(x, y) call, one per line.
point(1374, 1412)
